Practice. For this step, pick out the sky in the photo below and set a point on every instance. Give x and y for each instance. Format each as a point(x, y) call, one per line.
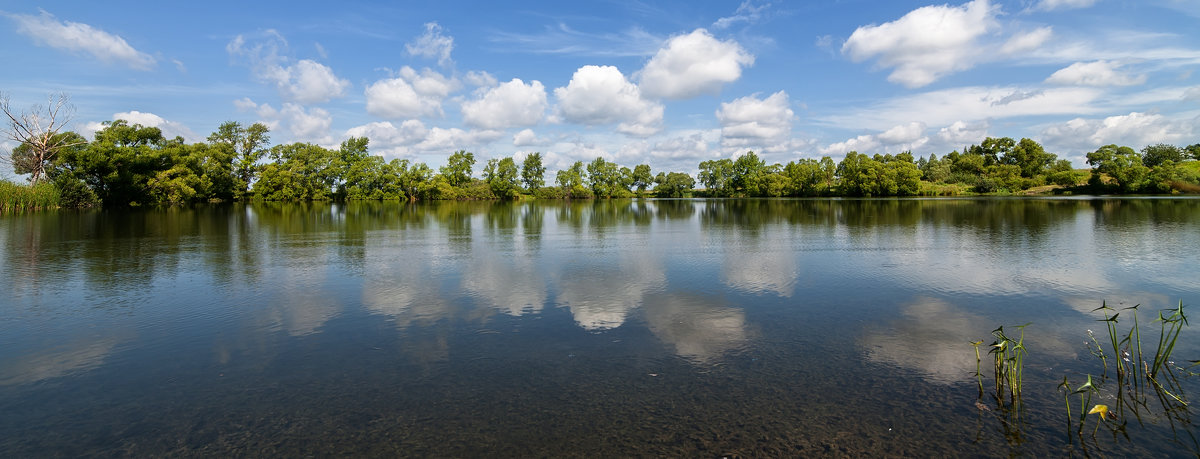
point(669, 84)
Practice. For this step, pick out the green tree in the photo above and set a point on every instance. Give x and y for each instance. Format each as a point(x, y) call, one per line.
point(1194, 151)
point(642, 178)
point(503, 178)
point(1154, 155)
point(604, 177)
point(458, 168)
point(1122, 164)
point(240, 150)
point(1029, 156)
point(300, 172)
point(673, 185)
point(715, 176)
point(533, 173)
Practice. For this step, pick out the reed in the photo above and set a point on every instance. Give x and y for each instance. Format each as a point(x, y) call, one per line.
point(1008, 358)
point(16, 197)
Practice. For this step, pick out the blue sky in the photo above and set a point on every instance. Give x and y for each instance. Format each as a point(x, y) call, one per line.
point(665, 83)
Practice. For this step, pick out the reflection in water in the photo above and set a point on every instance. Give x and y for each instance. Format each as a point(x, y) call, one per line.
point(513, 286)
point(932, 339)
point(56, 361)
point(700, 328)
point(759, 266)
point(601, 296)
point(372, 328)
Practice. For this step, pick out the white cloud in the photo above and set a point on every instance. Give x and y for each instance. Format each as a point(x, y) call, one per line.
point(47, 30)
point(1051, 5)
point(904, 137)
point(1098, 73)
point(527, 138)
point(512, 104)
point(752, 122)
point(432, 44)
point(170, 129)
point(1029, 41)
point(306, 81)
point(746, 12)
point(384, 134)
point(925, 44)
point(1136, 129)
point(601, 95)
point(1192, 94)
point(970, 104)
point(693, 64)
point(410, 94)
point(960, 133)
point(440, 140)
point(562, 39)
point(480, 79)
point(305, 124)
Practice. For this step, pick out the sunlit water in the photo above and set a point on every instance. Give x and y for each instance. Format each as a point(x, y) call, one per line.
point(608, 328)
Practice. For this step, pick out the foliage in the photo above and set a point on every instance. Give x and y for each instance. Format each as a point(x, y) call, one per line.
point(22, 197)
point(673, 185)
point(533, 173)
point(458, 168)
point(502, 177)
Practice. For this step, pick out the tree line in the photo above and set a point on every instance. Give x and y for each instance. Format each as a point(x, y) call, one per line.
point(136, 165)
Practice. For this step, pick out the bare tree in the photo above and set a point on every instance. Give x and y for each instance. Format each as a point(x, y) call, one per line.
point(36, 132)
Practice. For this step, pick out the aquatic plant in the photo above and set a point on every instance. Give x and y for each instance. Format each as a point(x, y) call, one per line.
point(1008, 357)
point(16, 197)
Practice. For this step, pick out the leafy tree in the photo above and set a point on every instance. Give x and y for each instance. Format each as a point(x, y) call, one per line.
point(715, 176)
point(301, 172)
point(458, 168)
point(604, 177)
point(1154, 155)
point(502, 177)
point(571, 181)
point(1122, 164)
point(673, 185)
point(1029, 156)
point(533, 173)
point(240, 150)
point(642, 178)
point(747, 170)
point(1194, 151)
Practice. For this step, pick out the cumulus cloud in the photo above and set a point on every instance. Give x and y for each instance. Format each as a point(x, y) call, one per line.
point(527, 138)
point(170, 129)
point(440, 140)
point(599, 95)
point(908, 136)
point(963, 133)
point(1135, 129)
point(305, 124)
point(973, 103)
point(410, 94)
point(753, 122)
point(384, 134)
point(693, 64)
point(432, 44)
point(305, 81)
point(512, 104)
point(1051, 5)
point(77, 37)
point(1098, 73)
point(925, 44)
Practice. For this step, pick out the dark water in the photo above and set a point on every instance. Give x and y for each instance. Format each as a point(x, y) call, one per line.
point(609, 328)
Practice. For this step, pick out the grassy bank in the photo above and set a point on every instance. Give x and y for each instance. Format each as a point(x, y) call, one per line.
point(16, 197)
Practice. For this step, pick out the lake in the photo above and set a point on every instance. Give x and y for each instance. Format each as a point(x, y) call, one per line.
point(685, 328)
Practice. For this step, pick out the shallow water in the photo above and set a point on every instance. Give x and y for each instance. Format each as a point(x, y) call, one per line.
point(608, 328)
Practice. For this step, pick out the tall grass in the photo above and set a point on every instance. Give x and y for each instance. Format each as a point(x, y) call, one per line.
point(16, 197)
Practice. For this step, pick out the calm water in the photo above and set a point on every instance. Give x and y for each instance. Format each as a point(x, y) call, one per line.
point(613, 328)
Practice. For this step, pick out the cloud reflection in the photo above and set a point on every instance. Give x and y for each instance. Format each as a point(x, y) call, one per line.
point(602, 295)
point(700, 328)
point(76, 357)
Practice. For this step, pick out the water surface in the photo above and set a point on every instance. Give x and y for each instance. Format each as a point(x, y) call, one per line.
point(607, 328)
